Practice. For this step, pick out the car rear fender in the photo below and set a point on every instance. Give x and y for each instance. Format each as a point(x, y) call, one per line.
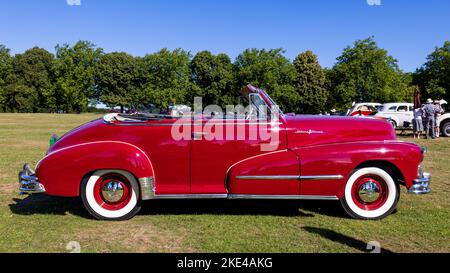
point(62, 170)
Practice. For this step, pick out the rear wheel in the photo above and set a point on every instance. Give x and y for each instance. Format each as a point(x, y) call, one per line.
point(370, 193)
point(111, 195)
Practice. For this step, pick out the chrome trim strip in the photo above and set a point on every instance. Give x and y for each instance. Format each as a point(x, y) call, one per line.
point(308, 132)
point(290, 177)
point(243, 196)
point(147, 187)
point(322, 177)
point(268, 177)
point(190, 196)
point(285, 197)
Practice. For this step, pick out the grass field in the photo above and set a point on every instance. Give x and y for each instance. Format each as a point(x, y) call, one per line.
point(47, 224)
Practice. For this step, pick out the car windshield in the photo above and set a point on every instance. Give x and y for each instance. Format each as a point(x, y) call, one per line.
point(275, 106)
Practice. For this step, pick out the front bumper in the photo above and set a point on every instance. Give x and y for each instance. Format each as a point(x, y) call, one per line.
point(421, 185)
point(28, 182)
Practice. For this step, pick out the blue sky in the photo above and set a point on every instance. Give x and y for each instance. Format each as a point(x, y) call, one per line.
point(408, 29)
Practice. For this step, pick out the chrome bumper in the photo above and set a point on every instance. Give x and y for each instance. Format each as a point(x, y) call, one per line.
point(28, 182)
point(421, 185)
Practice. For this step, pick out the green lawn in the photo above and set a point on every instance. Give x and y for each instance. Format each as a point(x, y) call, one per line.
point(47, 224)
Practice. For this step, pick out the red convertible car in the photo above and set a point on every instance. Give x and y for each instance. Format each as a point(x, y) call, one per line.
point(115, 162)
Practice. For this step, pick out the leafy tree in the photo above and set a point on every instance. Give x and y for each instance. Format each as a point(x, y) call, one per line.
point(75, 75)
point(167, 77)
point(213, 78)
point(31, 85)
point(365, 73)
point(270, 70)
point(310, 83)
point(119, 78)
point(19, 97)
point(433, 77)
point(5, 70)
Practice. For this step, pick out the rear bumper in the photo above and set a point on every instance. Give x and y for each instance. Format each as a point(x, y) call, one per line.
point(421, 185)
point(28, 181)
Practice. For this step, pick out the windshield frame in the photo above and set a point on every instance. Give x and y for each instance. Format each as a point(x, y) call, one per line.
point(272, 104)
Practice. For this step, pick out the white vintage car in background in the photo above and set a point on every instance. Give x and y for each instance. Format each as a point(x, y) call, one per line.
point(399, 114)
point(366, 108)
point(444, 119)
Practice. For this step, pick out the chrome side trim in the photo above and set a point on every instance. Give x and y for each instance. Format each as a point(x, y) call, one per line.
point(268, 177)
point(190, 196)
point(148, 188)
point(290, 177)
point(308, 132)
point(243, 196)
point(285, 197)
point(322, 177)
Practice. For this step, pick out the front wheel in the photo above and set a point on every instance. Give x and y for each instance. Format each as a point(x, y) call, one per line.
point(111, 195)
point(370, 194)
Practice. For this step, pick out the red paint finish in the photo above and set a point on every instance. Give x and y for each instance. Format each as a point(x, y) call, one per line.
point(62, 170)
point(308, 146)
point(343, 158)
point(270, 164)
point(316, 130)
point(211, 159)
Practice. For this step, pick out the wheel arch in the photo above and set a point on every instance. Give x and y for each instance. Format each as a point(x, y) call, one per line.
point(63, 171)
point(387, 166)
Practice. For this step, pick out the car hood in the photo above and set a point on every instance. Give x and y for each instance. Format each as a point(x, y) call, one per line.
point(319, 130)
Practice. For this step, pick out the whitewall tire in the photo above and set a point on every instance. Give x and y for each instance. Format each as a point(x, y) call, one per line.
point(370, 193)
point(111, 195)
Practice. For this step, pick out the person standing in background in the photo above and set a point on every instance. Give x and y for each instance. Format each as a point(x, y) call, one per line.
point(418, 113)
point(417, 123)
point(430, 121)
point(439, 111)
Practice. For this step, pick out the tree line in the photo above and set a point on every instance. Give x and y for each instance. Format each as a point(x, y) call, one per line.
point(79, 75)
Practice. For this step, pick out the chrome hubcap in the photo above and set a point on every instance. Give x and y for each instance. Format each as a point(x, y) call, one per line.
point(369, 192)
point(112, 191)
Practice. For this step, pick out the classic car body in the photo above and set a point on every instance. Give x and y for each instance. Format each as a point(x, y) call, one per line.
point(399, 114)
point(115, 162)
point(444, 124)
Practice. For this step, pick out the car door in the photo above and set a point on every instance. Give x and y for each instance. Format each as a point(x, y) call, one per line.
point(403, 115)
point(218, 144)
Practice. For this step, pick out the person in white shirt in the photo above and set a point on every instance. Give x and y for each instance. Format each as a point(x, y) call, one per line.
point(417, 123)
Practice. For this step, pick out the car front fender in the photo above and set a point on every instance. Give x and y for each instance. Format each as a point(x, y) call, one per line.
point(343, 158)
